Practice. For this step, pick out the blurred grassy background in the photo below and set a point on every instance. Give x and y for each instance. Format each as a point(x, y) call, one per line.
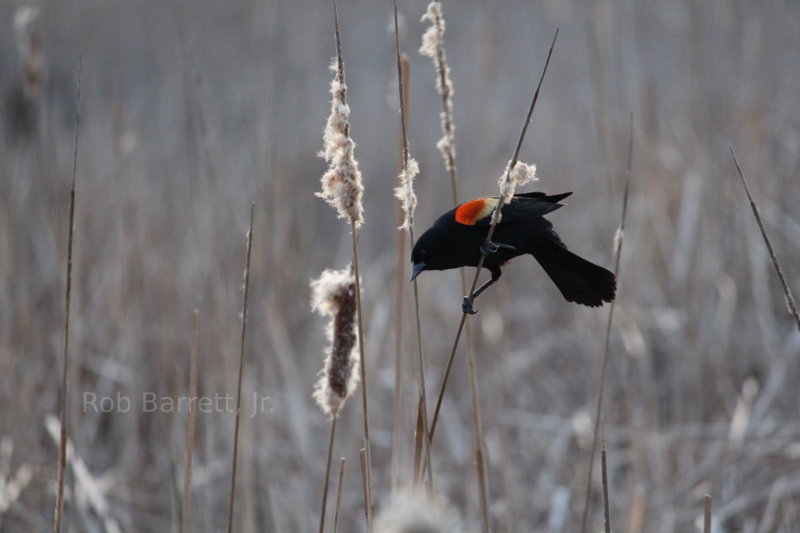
point(191, 110)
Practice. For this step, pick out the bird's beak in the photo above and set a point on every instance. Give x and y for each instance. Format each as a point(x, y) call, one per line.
point(416, 269)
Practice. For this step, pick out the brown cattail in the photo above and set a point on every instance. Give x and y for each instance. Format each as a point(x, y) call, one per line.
point(433, 47)
point(415, 512)
point(341, 183)
point(29, 46)
point(333, 294)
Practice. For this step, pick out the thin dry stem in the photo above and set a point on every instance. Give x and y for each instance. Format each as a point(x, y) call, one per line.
point(362, 456)
point(474, 284)
point(604, 472)
point(339, 487)
point(64, 400)
point(363, 370)
point(327, 478)
point(232, 497)
point(618, 240)
point(791, 307)
point(511, 166)
point(190, 425)
point(707, 513)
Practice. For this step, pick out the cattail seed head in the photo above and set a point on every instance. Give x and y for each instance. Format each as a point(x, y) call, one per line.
point(433, 47)
point(333, 294)
point(341, 183)
point(414, 512)
point(405, 192)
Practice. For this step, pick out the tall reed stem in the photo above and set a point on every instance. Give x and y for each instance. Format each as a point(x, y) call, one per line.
point(64, 400)
point(607, 345)
point(791, 307)
point(474, 284)
point(232, 497)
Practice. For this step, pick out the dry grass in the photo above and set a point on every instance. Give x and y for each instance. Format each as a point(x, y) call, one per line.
point(700, 391)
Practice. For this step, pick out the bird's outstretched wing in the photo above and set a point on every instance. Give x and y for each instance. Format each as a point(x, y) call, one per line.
point(524, 206)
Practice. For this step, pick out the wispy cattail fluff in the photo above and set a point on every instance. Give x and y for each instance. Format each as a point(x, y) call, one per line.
point(29, 46)
point(333, 294)
point(521, 174)
point(433, 47)
point(341, 184)
point(405, 192)
point(418, 513)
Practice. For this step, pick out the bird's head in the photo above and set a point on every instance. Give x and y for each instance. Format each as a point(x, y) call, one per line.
point(429, 252)
point(419, 259)
point(423, 256)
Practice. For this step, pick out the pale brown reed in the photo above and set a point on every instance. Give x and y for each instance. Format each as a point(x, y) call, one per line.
point(242, 332)
point(64, 399)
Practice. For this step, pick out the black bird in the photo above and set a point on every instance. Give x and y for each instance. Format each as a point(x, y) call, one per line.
point(458, 238)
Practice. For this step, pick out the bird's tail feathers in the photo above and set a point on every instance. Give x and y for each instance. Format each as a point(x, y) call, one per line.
point(579, 280)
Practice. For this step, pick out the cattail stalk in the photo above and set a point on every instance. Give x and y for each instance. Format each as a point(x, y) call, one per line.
point(64, 400)
point(339, 487)
point(342, 189)
point(707, 513)
point(399, 436)
point(235, 454)
point(408, 202)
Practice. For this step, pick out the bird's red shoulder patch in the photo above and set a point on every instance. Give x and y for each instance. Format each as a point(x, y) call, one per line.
point(469, 213)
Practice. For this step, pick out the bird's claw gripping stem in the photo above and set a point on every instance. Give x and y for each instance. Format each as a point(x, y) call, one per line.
point(466, 306)
point(489, 247)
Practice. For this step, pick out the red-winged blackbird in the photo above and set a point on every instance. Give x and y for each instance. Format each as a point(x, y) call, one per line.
point(458, 238)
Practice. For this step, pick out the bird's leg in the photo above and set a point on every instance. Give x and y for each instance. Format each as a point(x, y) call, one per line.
point(466, 304)
point(489, 247)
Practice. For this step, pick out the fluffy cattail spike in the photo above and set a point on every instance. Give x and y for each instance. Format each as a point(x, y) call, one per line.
point(333, 294)
point(433, 47)
point(341, 183)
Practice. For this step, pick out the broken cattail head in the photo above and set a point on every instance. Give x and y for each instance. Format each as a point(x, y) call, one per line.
point(521, 174)
point(333, 294)
point(405, 192)
point(341, 183)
